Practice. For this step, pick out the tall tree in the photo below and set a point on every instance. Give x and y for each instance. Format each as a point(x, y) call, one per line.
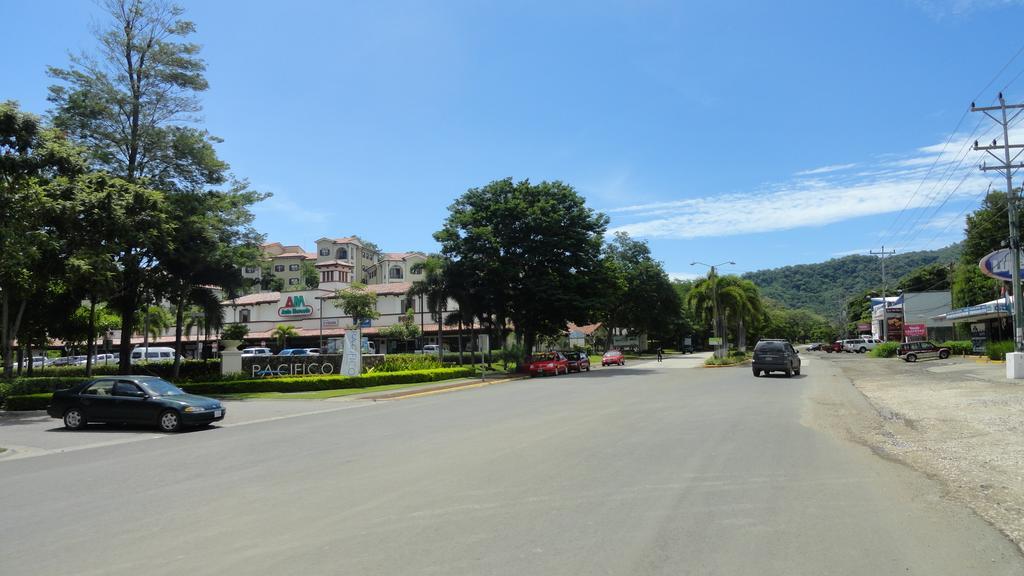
point(434, 288)
point(531, 251)
point(131, 106)
point(31, 241)
point(639, 293)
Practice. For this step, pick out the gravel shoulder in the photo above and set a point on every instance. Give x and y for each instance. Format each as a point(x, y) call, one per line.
point(958, 421)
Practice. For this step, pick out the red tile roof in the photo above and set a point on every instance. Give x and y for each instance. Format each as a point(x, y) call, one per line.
point(393, 288)
point(249, 299)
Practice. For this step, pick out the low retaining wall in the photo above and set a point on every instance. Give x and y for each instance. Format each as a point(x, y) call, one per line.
point(270, 366)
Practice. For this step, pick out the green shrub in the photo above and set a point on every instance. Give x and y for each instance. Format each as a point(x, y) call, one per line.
point(22, 386)
point(998, 350)
point(406, 362)
point(28, 401)
point(315, 383)
point(190, 370)
point(884, 350)
point(727, 361)
point(959, 346)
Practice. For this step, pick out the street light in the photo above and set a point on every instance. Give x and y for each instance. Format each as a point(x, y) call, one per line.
point(716, 328)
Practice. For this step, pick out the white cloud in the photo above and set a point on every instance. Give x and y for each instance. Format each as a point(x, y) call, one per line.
point(888, 185)
point(826, 169)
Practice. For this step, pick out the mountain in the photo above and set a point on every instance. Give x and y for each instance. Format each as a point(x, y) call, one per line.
point(823, 287)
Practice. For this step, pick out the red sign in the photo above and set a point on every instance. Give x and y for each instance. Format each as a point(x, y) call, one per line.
point(863, 327)
point(915, 330)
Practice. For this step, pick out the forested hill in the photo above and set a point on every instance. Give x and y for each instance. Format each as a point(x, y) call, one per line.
point(821, 287)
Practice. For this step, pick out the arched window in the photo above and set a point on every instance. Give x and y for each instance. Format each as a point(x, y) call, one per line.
point(342, 253)
point(395, 273)
point(243, 315)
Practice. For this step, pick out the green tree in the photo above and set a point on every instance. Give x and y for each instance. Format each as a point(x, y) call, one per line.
point(32, 241)
point(639, 294)
point(131, 107)
point(531, 252)
point(310, 277)
point(404, 330)
point(358, 302)
point(282, 333)
point(986, 230)
point(737, 299)
point(925, 278)
point(153, 321)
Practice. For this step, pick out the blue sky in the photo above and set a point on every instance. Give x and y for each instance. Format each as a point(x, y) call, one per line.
point(764, 133)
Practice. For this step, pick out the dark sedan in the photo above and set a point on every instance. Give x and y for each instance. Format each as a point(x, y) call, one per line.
point(133, 400)
point(578, 361)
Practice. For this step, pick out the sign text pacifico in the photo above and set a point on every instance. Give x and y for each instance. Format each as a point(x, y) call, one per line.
point(294, 306)
point(292, 369)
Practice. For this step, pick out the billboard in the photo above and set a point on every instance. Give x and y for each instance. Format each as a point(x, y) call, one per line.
point(915, 330)
point(998, 265)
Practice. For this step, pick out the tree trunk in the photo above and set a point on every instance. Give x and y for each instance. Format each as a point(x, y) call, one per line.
point(529, 339)
point(179, 317)
point(10, 333)
point(124, 365)
point(90, 341)
point(5, 350)
point(741, 335)
point(460, 341)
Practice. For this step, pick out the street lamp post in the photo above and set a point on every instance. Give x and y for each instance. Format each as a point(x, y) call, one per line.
point(716, 326)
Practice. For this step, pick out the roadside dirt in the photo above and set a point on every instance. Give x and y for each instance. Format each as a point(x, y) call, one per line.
point(957, 421)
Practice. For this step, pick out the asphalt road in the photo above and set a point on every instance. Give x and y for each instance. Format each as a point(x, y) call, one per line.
point(645, 469)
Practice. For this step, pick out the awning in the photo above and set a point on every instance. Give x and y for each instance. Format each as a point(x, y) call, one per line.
point(995, 309)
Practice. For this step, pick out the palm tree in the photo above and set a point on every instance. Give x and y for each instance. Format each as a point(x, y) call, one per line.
point(434, 288)
point(282, 332)
point(738, 299)
point(154, 321)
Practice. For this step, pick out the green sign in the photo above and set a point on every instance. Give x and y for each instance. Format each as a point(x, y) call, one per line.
point(715, 341)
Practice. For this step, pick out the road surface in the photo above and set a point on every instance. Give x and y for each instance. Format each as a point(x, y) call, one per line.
point(651, 468)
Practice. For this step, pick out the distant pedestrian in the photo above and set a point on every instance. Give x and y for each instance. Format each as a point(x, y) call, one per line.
point(660, 352)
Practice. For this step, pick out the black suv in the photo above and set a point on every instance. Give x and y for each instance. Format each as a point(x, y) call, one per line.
point(776, 356)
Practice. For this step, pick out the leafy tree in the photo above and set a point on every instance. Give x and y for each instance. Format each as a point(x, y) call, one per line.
point(931, 277)
point(153, 321)
point(639, 295)
point(282, 333)
point(358, 302)
point(530, 252)
point(310, 277)
point(738, 299)
point(986, 230)
point(404, 330)
point(130, 106)
point(31, 243)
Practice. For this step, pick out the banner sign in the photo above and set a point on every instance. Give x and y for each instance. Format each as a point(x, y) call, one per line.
point(915, 330)
point(998, 265)
point(352, 360)
point(863, 327)
point(295, 306)
point(715, 341)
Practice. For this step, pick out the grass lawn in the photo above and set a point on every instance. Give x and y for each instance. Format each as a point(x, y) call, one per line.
point(324, 394)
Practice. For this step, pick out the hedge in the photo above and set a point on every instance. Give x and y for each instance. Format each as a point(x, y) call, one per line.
point(998, 350)
point(190, 370)
point(29, 401)
point(961, 347)
point(405, 362)
point(312, 384)
point(884, 350)
point(23, 386)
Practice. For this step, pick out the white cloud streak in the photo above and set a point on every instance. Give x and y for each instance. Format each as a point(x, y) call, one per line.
point(835, 193)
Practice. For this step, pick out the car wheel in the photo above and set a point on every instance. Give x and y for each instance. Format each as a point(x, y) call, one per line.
point(789, 373)
point(757, 373)
point(943, 354)
point(74, 419)
point(170, 421)
point(911, 357)
point(862, 350)
point(796, 371)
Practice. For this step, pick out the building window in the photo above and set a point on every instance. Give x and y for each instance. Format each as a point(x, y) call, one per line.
point(342, 253)
point(395, 273)
point(250, 269)
point(243, 315)
point(279, 268)
point(293, 281)
point(325, 251)
point(293, 267)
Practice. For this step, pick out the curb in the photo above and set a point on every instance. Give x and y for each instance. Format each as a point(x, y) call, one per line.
point(747, 361)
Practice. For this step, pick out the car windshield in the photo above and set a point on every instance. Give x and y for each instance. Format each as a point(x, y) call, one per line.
point(769, 347)
point(161, 388)
point(547, 356)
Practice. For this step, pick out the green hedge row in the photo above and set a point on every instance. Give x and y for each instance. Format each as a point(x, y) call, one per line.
point(884, 350)
point(23, 386)
point(998, 350)
point(29, 401)
point(959, 346)
point(312, 384)
point(406, 362)
point(190, 370)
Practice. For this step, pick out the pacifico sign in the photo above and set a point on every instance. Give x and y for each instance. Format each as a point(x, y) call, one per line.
point(294, 306)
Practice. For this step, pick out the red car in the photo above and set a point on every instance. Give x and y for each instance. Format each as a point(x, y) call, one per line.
point(613, 357)
point(578, 361)
point(552, 363)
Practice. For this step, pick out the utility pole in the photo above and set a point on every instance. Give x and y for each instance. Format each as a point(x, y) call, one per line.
point(885, 304)
point(716, 324)
point(1007, 167)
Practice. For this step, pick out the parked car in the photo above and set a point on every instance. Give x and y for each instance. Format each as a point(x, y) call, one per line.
point(860, 345)
point(775, 356)
point(133, 400)
point(256, 351)
point(836, 346)
point(152, 354)
point(432, 349)
point(613, 357)
point(578, 361)
point(813, 347)
point(553, 363)
point(299, 352)
point(62, 361)
point(914, 351)
point(106, 359)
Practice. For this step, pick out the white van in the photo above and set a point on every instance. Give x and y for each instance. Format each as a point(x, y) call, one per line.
point(152, 354)
point(256, 351)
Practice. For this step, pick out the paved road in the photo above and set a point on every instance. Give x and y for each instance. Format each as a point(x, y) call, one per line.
point(646, 469)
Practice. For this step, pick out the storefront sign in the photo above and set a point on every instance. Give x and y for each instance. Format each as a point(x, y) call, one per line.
point(915, 330)
point(295, 306)
point(330, 323)
point(863, 328)
point(270, 366)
